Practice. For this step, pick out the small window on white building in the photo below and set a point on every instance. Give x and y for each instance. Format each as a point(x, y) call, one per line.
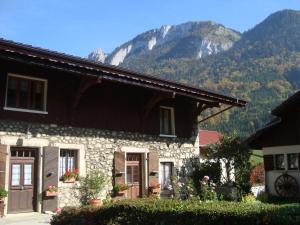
point(279, 162)
point(292, 160)
point(167, 121)
point(166, 171)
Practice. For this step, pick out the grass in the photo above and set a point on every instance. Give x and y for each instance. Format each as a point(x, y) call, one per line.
point(256, 157)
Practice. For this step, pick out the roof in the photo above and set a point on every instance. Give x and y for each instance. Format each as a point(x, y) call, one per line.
point(291, 102)
point(42, 57)
point(208, 137)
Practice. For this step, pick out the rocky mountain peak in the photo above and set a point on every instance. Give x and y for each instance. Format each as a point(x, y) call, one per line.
point(191, 40)
point(97, 55)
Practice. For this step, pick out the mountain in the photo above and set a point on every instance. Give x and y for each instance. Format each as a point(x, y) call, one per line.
point(192, 40)
point(97, 55)
point(261, 65)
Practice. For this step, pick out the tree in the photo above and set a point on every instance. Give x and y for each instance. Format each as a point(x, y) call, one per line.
point(235, 155)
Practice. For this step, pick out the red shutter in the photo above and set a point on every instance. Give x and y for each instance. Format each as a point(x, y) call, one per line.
point(269, 162)
point(2, 164)
point(50, 176)
point(119, 167)
point(153, 160)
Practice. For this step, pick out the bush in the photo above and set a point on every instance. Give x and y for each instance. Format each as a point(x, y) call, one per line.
point(3, 193)
point(175, 212)
point(91, 186)
point(257, 175)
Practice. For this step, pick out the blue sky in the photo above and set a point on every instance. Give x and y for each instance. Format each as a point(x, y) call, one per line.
point(79, 26)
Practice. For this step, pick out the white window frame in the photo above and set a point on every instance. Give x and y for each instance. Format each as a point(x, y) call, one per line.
point(27, 110)
point(172, 122)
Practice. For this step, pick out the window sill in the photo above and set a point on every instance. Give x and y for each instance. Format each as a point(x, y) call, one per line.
point(25, 110)
point(168, 135)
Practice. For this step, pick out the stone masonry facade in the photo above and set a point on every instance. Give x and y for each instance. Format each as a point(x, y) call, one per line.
point(99, 147)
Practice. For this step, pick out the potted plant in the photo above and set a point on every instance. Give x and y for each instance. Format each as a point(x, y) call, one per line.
point(51, 191)
point(91, 187)
point(120, 189)
point(3, 194)
point(154, 188)
point(70, 176)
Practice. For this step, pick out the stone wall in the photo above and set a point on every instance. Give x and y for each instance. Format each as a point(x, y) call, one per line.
point(99, 146)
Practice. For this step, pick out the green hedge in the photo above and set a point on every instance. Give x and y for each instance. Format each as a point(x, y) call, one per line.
point(173, 212)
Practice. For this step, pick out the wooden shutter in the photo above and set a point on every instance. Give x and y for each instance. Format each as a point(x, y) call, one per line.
point(50, 176)
point(269, 162)
point(2, 164)
point(119, 167)
point(153, 161)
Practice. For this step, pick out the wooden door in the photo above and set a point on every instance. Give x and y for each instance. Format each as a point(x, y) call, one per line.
point(22, 182)
point(134, 175)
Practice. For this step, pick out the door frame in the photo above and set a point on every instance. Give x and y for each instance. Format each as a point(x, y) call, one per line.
point(144, 160)
point(35, 175)
point(13, 141)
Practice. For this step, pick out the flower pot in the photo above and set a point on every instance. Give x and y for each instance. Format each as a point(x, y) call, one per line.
point(121, 193)
point(70, 180)
point(95, 202)
point(155, 190)
point(51, 194)
point(2, 206)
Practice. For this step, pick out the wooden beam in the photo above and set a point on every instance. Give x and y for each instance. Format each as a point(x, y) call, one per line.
point(153, 101)
point(84, 85)
point(203, 106)
point(215, 114)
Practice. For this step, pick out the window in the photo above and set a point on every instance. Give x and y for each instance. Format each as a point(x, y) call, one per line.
point(67, 161)
point(24, 93)
point(292, 161)
point(166, 174)
point(279, 162)
point(167, 120)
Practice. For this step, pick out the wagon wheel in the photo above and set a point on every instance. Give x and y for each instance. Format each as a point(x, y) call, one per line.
point(286, 186)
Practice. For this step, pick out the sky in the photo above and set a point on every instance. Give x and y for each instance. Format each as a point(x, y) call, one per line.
point(77, 27)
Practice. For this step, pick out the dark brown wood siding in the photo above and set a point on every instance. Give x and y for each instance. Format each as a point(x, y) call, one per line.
point(106, 105)
point(287, 132)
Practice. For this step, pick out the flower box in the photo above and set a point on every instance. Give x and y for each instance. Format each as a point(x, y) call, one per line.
point(51, 193)
point(70, 180)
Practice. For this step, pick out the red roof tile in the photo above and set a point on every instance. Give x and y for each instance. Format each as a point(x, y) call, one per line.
point(207, 137)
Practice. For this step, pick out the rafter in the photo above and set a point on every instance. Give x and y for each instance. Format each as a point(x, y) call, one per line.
point(152, 102)
point(84, 85)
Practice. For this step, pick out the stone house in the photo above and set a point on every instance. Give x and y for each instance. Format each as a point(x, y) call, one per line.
point(59, 112)
point(280, 144)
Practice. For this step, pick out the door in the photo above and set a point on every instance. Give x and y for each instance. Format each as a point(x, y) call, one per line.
point(22, 196)
point(134, 175)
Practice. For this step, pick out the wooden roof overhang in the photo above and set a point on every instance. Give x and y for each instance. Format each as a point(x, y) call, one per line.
point(13, 51)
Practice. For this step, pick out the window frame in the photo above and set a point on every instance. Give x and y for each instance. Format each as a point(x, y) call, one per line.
point(162, 170)
point(45, 81)
point(76, 161)
point(173, 131)
point(275, 162)
point(288, 161)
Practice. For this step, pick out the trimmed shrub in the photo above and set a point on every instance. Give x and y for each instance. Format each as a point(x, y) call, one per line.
point(174, 212)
